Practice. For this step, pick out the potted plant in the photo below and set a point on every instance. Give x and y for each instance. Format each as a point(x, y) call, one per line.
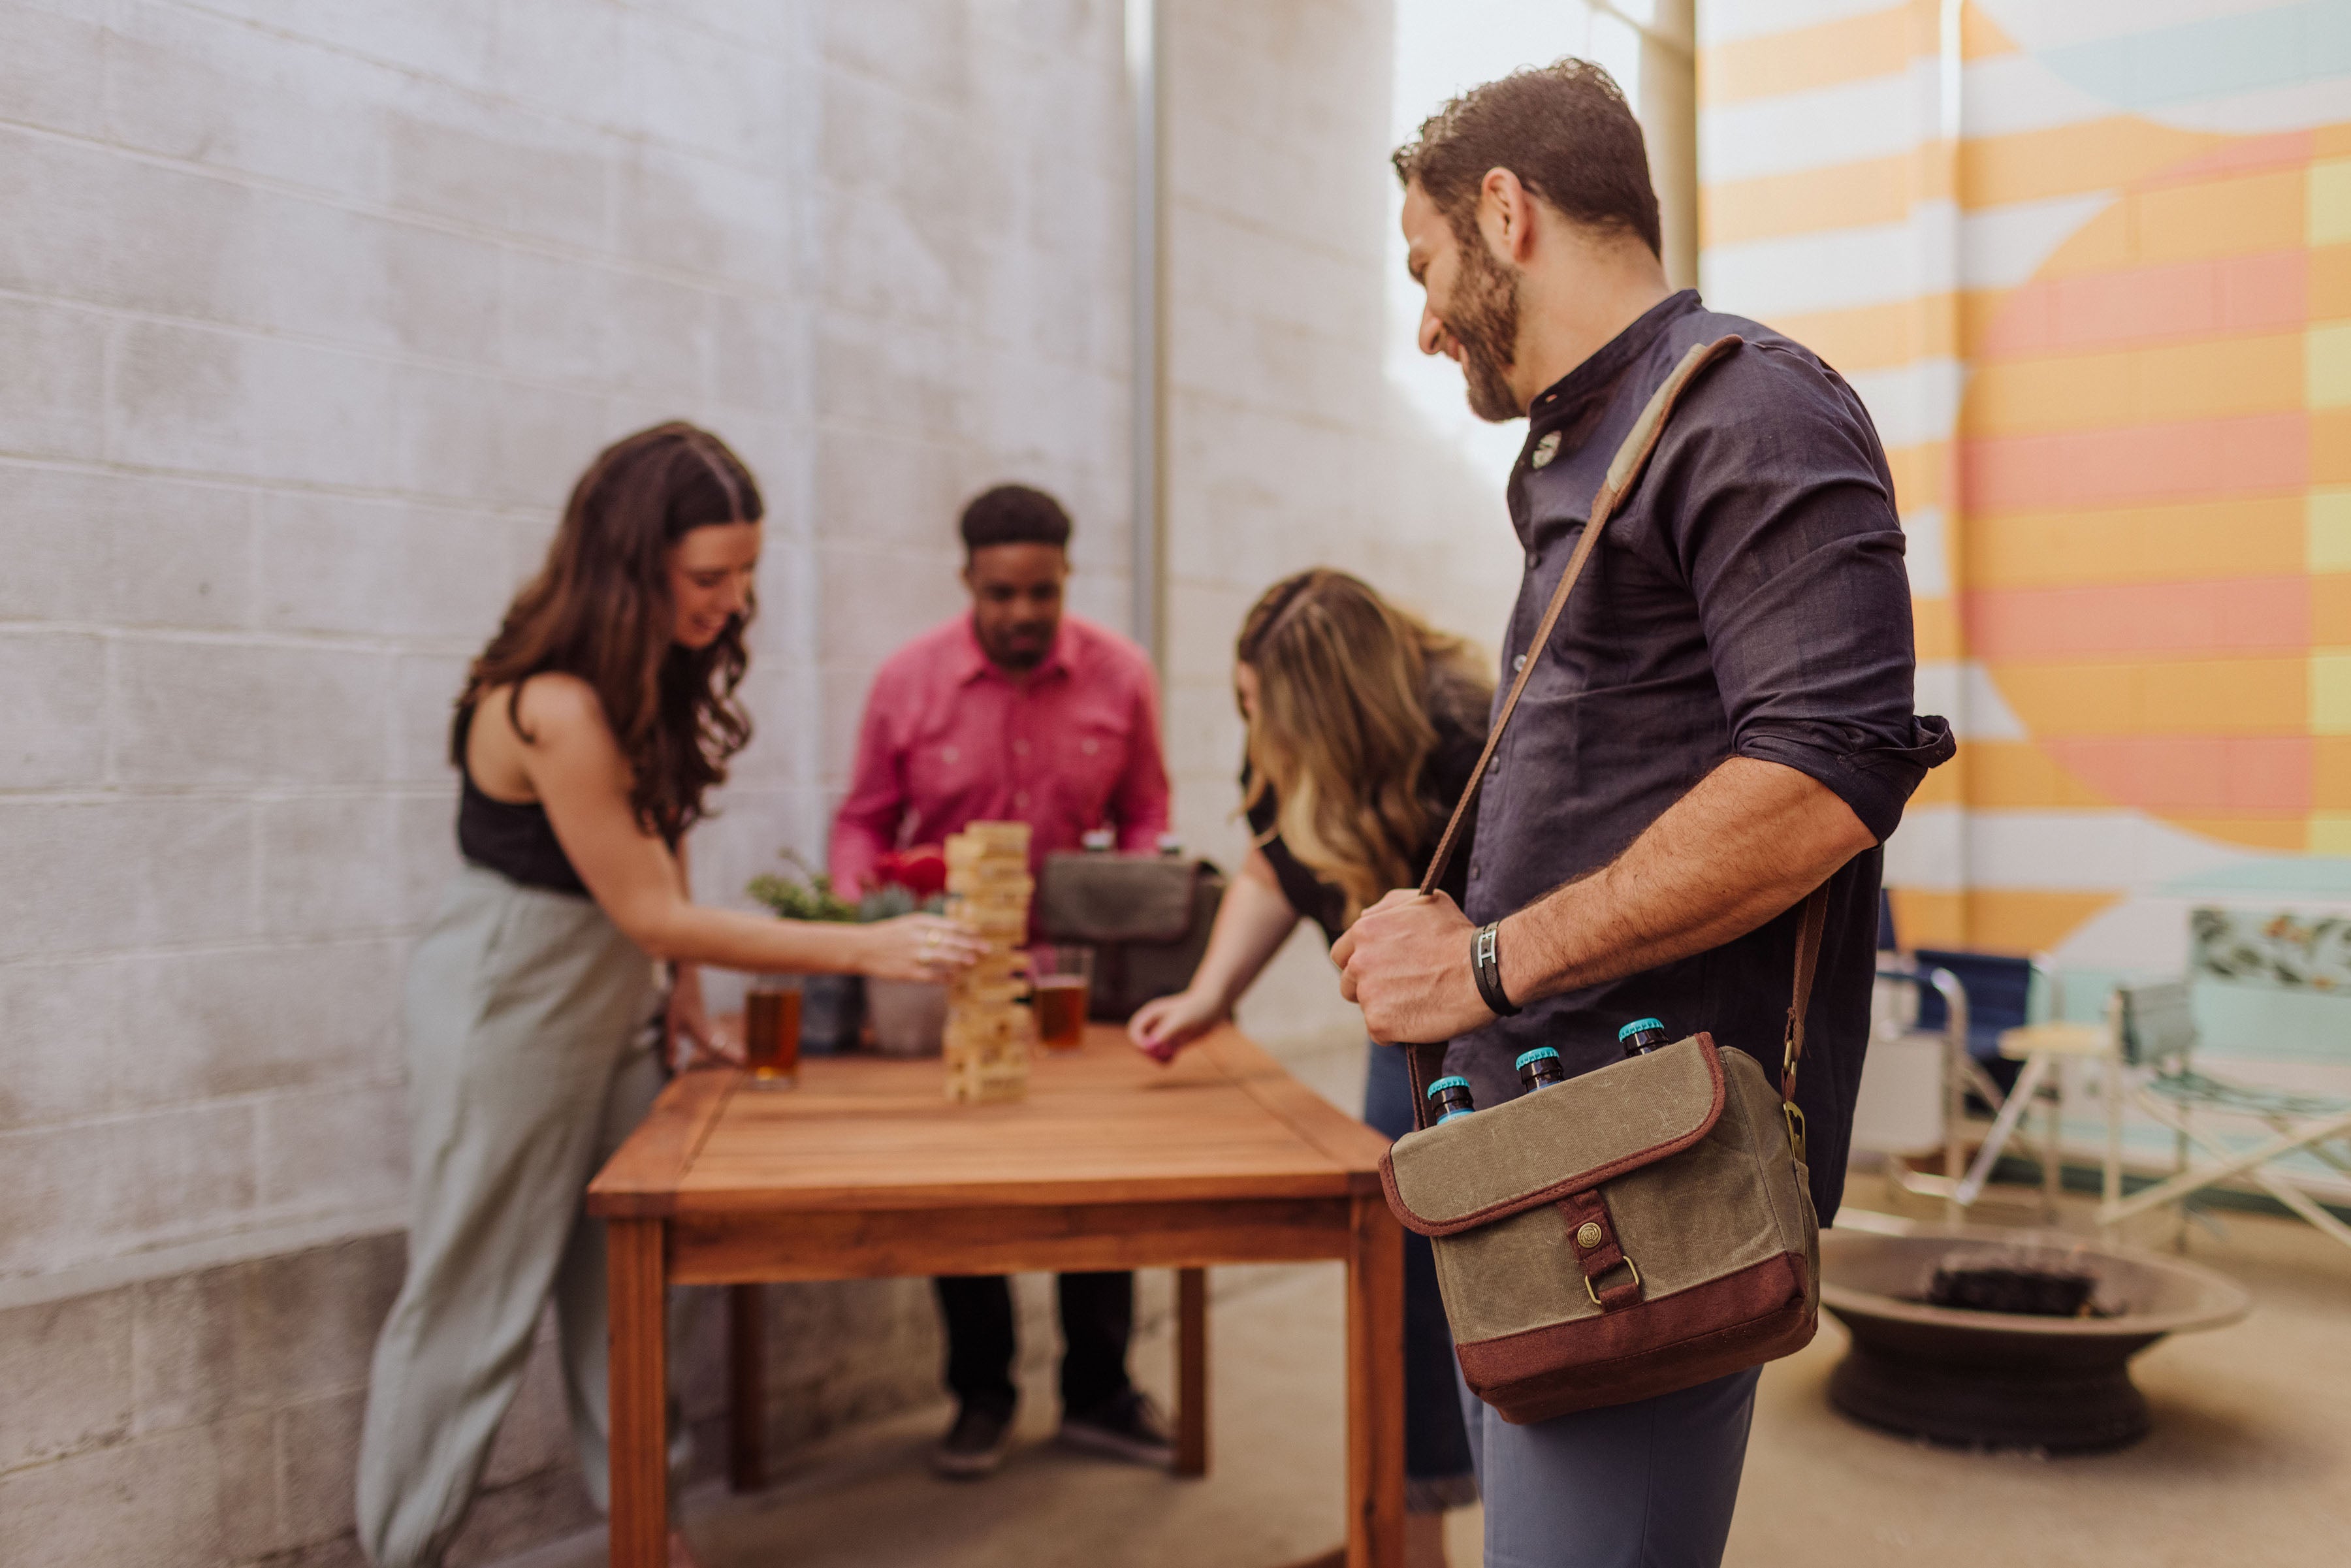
point(831, 1006)
point(909, 1017)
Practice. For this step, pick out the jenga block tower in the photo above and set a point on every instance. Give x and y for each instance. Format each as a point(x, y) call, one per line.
point(988, 1031)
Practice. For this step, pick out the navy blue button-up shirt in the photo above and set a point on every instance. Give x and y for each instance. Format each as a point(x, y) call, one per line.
point(1749, 599)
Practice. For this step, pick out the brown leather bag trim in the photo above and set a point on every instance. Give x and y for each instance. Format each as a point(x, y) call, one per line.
point(1659, 1346)
point(1604, 1256)
point(1575, 1181)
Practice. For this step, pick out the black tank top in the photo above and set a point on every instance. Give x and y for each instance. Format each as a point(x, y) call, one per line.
point(512, 839)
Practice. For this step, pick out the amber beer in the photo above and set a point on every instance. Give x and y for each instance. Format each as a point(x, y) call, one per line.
point(771, 1033)
point(1060, 979)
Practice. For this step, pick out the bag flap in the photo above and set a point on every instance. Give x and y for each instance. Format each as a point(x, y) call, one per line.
point(1539, 1148)
point(1098, 897)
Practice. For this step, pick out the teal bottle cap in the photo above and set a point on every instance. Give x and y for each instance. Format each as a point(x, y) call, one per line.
point(1537, 1054)
point(1636, 1025)
point(1456, 1082)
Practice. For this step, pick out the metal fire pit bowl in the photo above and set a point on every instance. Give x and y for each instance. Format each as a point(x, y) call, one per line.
point(2003, 1380)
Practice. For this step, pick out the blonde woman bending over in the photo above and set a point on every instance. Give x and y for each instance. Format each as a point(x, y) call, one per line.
point(1364, 725)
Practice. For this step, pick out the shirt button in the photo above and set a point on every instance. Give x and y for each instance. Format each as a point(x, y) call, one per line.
point(1518, 663)
point(1089, 747)
point(1473, 871)
point(1020, 748)
point(1021, 798)
point(949, 753)
point(1533, 559)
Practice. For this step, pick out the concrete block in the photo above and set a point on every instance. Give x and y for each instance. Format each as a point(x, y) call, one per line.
point(100, 1190)
point(208, 712)
point(697, 90)
point(67, 1367)
point(425, 688)
point(269, 1336)
point(124, 550)
point(914, 154)
point(317, 1451)
point(923, 51)
point(53, 689)
point(874, 601)
point(87, 876)
point(329, 865)
point(426, 837)
point(192, 1498)
point(381, 569)
point(505, 174)
point(225, 403)
point(53, 70)
point(60, 1041)
point(446, 43)
point(690, 212)
point(759, 353)
point(212, 91)
point(204, 1026)
point(560, 55)
point(893, 488)
point(537, 1432)
point(331, 1150)
point(470, 439)
point(60, 412)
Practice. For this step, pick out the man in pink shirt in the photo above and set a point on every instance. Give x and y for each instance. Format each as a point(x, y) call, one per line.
point(1017, 712)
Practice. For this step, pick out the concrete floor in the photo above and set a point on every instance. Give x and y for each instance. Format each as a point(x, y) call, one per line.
point(2249, 1461)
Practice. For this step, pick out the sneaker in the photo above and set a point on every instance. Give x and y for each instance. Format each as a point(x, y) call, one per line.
point(975, 1445)
point(1129, 1427)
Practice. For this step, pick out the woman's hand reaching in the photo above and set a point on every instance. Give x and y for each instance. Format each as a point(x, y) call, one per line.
point(916, 948)
point(1160, 1028)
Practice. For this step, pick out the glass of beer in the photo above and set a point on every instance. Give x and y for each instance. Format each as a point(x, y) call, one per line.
point(772, 1032)
point(1062, 979)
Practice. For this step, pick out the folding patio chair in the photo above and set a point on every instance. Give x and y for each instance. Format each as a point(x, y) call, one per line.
point(2152, 1035)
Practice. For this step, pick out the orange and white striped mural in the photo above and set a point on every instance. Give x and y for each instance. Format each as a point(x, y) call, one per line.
point(2089, 263)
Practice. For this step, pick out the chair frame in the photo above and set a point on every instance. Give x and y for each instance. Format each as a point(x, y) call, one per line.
point(2288, 1136)
point(1962, 1073)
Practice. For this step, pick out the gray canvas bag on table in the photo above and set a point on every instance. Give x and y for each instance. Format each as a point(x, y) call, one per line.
point(1638, 1229)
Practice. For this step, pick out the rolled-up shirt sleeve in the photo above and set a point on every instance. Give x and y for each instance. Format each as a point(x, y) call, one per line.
point(1795, 557)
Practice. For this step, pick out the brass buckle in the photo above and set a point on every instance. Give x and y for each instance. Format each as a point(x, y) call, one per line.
point(1595, 1295)
point(1796, 1128)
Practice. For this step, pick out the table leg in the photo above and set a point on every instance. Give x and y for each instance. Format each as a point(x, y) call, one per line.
point(640, 1380)
point(1375, 1387)
point(746, 1379)
point(1191, 1371)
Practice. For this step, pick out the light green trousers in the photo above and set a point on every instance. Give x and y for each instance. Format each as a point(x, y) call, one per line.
point(526, 1067)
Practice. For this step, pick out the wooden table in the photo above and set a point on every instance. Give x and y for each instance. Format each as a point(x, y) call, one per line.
point(1112, 1162)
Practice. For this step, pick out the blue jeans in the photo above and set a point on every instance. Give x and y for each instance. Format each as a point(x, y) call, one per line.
point(1646, 1485)
point(1436, 1457)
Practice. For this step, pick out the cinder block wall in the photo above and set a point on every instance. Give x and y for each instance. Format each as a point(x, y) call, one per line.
point(309, 316)
point(1289, 447)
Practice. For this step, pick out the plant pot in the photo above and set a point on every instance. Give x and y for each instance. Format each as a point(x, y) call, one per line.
point(831, 1009)
point(909, 1017)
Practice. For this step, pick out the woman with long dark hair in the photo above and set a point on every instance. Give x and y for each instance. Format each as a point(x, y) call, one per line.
point(1363, 725)
point(586, 736)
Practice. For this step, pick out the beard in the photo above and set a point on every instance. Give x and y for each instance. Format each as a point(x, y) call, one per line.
point(1484, 319)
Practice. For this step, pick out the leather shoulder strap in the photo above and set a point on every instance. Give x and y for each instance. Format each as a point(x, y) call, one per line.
point(1625, 470)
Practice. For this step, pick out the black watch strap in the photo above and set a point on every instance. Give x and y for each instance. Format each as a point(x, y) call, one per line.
point(1486, 966)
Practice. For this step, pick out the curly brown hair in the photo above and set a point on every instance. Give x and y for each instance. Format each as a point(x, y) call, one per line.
point(1564, 129)
point(600, 609)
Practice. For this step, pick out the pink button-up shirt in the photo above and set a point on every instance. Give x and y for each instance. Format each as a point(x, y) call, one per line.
point(949, 738)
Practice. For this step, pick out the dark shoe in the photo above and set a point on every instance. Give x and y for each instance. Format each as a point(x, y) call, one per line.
point(975, 1445)
point(1129, 1427)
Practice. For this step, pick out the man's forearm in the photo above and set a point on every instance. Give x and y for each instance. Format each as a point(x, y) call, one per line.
point(1749, 840)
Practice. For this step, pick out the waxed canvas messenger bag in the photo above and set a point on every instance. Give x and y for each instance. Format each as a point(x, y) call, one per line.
point(1637, 1229)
